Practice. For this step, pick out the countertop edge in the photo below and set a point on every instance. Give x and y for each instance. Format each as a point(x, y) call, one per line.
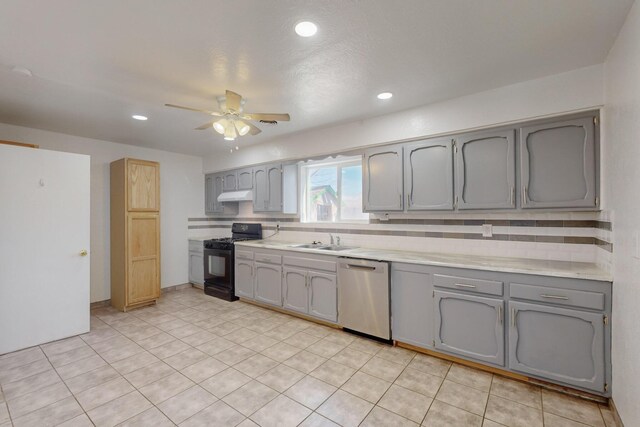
point(396, 256)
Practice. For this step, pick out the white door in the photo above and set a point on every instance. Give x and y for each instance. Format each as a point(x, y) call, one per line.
point(44, 224)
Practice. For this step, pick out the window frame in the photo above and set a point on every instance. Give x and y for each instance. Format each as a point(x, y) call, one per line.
point(339, 163)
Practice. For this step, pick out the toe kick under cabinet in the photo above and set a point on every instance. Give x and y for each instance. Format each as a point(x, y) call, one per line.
point(547, 328)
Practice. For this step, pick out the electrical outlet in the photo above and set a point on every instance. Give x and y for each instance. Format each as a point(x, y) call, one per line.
point(487, 230)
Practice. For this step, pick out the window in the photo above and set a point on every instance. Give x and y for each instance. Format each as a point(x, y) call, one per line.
point(332, 191)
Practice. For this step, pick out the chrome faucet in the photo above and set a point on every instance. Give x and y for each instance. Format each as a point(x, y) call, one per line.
point(331, 237)
point(337, 240)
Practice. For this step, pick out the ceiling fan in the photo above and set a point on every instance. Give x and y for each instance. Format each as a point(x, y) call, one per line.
point(233, 121)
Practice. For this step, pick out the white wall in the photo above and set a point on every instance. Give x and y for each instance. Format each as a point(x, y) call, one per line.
point(181, 192)
point(622, 179)
point(571, 91)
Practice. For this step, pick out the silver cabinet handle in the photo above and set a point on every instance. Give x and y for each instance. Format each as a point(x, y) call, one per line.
point(513, 317)
point(464, 285)
point(500, 314)
point(524, 196)
point(562, 297)
point(400, 199)
point(513, 195)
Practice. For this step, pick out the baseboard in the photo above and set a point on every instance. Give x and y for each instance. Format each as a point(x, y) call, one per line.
point(100, 304)
point(175, 287)
point(614, 412)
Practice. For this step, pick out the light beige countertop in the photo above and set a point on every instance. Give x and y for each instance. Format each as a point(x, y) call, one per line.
point(567, 269)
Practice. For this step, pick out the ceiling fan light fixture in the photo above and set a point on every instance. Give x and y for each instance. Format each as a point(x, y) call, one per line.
point(230, 133)
point(306, 29)
point(220, 126)
point(242, 127)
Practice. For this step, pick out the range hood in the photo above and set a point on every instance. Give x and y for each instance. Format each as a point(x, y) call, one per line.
point(236, 196)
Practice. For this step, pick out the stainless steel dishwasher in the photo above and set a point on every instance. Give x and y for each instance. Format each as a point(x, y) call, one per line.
point(363, 297)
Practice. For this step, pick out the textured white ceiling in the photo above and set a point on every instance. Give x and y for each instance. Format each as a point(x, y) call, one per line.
point(97, 62)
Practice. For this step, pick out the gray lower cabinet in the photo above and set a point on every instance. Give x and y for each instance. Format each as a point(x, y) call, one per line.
point(268, 283)
point(295, 289)
point(196, 268)
point(245, 179)
point(485, 170)
point(428, 175)
point(230, 181)
point(470, 326)
point(244, 280)
point(560, 344)
point(267, 188)
point(558, 164)
point(213, 187)
point(323, 296)
point(412, 304)
point(382, 179)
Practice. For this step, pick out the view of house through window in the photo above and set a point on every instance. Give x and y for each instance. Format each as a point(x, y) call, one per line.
point(332, 191)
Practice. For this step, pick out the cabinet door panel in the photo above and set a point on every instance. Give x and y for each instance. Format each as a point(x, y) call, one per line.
point(230, 181)
point(143, 257)
point(196, 268)
point(245, 179)
point(429, 175)
point(260, 189)
point(295, 291)
point(470, 326)
point(218, 187)
point(485, 164)
point(274, 184)
point(323, 296)
point(244, 281)
point(268, 283)
point(144, 185)
point(558, 164)
point(208, 194)
point(559, 344)
point(382, 180)
point(412, 307)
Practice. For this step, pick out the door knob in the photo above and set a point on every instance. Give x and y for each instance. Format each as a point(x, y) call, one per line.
point(83, 252)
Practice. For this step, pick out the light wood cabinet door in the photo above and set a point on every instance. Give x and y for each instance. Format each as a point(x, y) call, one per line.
point(143, 190)
point(143, 263)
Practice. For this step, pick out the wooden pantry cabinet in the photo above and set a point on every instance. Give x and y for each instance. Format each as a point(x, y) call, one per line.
point(135, 233)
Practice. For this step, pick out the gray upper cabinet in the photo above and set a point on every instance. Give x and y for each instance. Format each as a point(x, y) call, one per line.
point(428, 175)
point(274, 186)
point(295, 289)
point(558, 165)
point(323, 296)
point(230, 182)
point(245, 179)
point(470, 326)
point(268, 283)
point(382, 179)
point(267, 188)
point(485, 170)
point(559, 344)
point(213, 186)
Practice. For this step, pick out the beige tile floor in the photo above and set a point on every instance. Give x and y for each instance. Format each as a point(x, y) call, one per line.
point(193, 360)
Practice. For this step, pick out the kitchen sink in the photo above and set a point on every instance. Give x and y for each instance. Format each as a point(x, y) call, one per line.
point(336, 248)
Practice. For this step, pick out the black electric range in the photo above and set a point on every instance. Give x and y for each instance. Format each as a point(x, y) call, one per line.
point(219, 280)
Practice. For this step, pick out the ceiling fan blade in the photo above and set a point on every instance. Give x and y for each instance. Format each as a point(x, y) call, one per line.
point(254, 129)
point(267, 116)
point(233, 101)
point(213, 113)
point(207, 125)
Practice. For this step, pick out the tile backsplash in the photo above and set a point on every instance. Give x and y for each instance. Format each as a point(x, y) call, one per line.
point(565, 236)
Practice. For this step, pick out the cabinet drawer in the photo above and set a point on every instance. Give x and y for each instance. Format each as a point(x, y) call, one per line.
point(570, 297)
point(268, 258)
point(243, 254)
point(310, 263)
point(467, 284)
point(196, 246)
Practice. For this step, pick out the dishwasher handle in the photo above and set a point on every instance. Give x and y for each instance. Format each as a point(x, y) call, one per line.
point(360, 267)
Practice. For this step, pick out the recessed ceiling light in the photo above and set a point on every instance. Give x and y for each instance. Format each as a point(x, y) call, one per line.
point(385, 95)
point(306, 29)
point(139, 117)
